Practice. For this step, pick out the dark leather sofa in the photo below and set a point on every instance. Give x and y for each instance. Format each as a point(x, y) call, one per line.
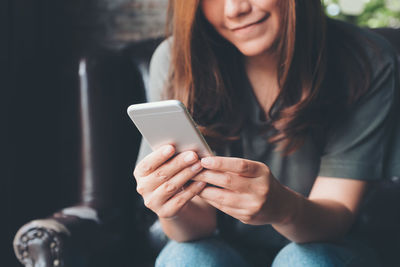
point(109, 226)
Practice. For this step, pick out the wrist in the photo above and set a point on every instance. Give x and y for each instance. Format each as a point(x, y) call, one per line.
point(291, 205)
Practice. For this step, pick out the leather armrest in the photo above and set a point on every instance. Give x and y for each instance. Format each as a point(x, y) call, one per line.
point(48, 242)
point(108, 227)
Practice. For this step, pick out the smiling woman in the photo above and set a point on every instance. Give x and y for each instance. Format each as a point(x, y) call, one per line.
point(288, 87)
point(300, 111)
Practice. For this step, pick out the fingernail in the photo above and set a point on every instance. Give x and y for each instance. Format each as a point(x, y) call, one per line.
point(168, 150)
point(197, 167)
point(207, 161)
point(190, 157)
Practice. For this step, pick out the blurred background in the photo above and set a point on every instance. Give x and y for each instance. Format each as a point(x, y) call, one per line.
point(41, 43)
point(367, 13)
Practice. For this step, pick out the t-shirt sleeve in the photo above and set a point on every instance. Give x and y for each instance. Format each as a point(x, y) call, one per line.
point(159, 71)
point(365, 145)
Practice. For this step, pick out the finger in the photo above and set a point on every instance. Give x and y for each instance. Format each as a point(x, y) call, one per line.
point(154, 160)
point(239, 214)
point(171, 187)
point(165, 172)
point(170, 169)
point(225, 180)
point(176, 203)
point(176, 164)
point(223, 197)
point(240, 166)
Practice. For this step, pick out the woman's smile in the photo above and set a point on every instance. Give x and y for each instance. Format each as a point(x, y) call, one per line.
point(250, 26)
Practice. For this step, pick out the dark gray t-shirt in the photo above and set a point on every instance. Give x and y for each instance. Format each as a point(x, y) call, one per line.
point(364, 146)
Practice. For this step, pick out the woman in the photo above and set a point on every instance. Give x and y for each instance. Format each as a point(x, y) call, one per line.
point(299, 110)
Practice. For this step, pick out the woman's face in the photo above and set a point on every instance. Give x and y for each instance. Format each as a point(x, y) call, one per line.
point(252, 26)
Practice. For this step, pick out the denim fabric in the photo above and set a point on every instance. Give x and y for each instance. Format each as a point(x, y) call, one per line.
point(211, 252)
point(347, 253)
point(214, 252)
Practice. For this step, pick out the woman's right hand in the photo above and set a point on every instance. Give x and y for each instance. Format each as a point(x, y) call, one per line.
point(162, 180)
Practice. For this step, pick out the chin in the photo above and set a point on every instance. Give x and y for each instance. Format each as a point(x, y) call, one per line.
point(255, 48)
point(252, 51)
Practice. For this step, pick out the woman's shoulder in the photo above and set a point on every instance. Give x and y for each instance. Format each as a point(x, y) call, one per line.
point(380, 53)
point(159, 70)
point(162, 53)
point(371, 48)
point(383, 60)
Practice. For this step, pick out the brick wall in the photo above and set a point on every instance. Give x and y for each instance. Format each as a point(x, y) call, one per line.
point(120, 21)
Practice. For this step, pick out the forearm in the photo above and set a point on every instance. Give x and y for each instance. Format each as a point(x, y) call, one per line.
point(196, 220)
point(306, 220)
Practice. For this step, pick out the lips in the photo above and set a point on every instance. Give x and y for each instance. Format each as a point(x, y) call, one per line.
point(250, 24)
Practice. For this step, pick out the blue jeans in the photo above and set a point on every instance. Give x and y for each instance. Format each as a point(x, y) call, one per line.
point(214, 252)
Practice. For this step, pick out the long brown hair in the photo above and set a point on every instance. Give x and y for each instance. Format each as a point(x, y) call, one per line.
point(207, 73)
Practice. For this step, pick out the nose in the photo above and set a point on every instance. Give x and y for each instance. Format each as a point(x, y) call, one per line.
point(236, 8)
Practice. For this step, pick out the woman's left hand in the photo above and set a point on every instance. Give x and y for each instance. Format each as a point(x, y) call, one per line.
point(243, 189)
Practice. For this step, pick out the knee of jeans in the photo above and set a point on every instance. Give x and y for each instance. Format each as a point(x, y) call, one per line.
point(177, 254)
point(207, 252)
point(310, 254)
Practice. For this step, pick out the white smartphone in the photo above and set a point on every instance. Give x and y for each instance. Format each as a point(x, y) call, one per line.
point(169, 122)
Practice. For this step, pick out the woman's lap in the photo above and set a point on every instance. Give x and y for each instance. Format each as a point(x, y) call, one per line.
point(214, 252)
